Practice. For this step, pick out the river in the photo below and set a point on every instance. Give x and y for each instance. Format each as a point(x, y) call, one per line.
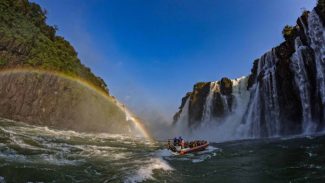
point(39, 154)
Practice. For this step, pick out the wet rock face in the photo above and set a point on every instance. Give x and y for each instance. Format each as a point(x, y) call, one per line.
point(220, 107)
point(221, 99)
point(320, 8)
point(295, 81)
point(197, 101)
point(225, 86)
point(252, 77)
point(49, 100)
point(286, 85)
point(288, 94)
point(177, 115)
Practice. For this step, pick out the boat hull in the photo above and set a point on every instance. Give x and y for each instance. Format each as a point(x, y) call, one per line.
point(193, 149)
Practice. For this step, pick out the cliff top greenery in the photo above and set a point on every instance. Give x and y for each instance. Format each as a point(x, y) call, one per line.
point(27, 41)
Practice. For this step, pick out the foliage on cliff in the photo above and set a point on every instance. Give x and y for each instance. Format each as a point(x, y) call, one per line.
point(27, 41)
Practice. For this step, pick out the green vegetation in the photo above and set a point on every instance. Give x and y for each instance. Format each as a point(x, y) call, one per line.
point(290, 32)
point(27, 41)
point(2, 62)
point(287, 31)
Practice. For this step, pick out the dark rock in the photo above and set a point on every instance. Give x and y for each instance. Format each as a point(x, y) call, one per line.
point(225, 86)
point(253, 76)
point(197, 101)
point(320, 9)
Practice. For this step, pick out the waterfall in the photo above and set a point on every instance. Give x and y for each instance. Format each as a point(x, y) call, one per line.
point(263, 118)
point(182, 123)
point(208, 107)
point(301, 79)
point(207, 115)
point(255, 112)
point(251, 125)
point(226, 107)
point(316, 37)
point(227, 127)
point(184, 116)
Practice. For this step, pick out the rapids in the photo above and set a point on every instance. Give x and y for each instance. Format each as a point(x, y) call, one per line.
point(39, 154)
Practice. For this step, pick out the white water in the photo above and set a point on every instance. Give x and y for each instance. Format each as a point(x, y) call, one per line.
point(34, 146)
point(256, 113)
point(145, 172)
point(226, 128)
point(266, 90)
point(226, 107)
point(208, 107)
point(182, 122)
point(301, 79)
point(316, 36)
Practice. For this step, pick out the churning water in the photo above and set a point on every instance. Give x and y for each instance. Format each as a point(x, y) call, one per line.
point(38, 154)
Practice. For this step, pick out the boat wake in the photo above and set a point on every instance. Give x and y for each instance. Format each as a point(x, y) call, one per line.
point(196, 157)
point(68, 156)
point(146, 171)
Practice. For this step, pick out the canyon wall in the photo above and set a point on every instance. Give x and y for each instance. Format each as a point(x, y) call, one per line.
point(283, 95)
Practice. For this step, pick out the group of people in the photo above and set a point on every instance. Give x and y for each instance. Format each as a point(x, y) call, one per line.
point(183, 144)
point(196, 143)
point(179, 141)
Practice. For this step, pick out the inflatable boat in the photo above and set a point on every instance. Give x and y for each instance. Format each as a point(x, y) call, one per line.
point(182, 151)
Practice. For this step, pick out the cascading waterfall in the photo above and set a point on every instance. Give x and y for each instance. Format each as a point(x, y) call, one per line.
point(255, 112)
point(251, 123)
point(316, 37)
point(226, 128)
point(182, 122)
point(241, 97)
point(301, 79)
point(270, 94)
point(240, 93)
point(263, 118)
point(225, 104)
point(207, 115)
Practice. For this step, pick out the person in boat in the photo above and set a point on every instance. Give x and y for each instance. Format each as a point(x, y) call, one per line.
point(180, 139)
point(170, 146)
point(175, 141)
point(183, 144)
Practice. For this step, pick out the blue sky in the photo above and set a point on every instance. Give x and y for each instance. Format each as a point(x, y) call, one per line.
point(151, 52)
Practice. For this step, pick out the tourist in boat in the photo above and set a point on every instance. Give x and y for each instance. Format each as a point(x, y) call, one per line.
point(183, 143)
point(168, 144)
point(175, 141)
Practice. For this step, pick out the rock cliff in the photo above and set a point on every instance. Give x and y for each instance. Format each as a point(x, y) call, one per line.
point(286, 87)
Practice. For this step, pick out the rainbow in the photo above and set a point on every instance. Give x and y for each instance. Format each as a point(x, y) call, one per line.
point(129, 115)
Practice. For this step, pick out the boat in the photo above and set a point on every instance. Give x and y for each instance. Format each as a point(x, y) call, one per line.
point(190, 147)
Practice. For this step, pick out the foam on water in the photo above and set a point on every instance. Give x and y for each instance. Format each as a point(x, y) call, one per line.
point(197, 157)
point(59, 147)
point(163, 153)
point(2, 180)
point(145, 172)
